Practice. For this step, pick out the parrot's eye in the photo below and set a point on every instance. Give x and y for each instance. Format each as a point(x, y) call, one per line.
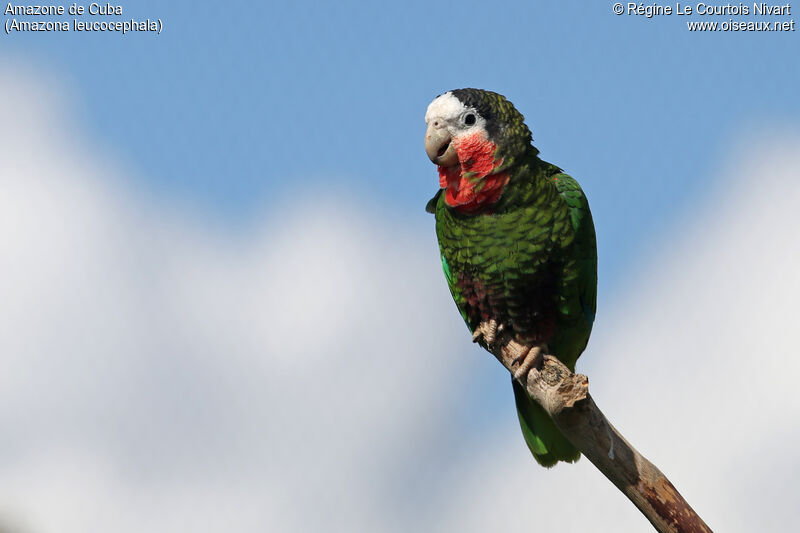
point(469, 119)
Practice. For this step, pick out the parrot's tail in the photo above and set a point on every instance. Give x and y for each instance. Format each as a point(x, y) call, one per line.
point(545, 441)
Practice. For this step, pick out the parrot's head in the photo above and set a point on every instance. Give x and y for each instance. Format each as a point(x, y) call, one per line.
point(474, 136)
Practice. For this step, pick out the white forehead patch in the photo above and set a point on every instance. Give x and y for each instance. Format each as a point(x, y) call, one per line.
point(446, 107)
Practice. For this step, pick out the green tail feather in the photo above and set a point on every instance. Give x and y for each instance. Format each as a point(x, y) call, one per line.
point(545, 441)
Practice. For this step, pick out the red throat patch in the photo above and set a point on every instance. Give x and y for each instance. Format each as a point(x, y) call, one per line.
point(472, 184)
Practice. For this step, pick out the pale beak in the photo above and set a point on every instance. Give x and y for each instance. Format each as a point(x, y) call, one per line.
point(439, 146)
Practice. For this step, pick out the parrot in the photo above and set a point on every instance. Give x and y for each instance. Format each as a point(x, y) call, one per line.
point(517, 244)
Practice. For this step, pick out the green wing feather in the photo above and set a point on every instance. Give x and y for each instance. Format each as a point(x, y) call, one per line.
point(585, 242)
point(547, 444)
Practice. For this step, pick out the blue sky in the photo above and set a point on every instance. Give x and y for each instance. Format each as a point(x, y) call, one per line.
point(233, 106)
point(178, 209)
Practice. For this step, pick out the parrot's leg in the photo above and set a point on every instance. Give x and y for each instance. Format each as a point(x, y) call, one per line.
point(527, 359)
point(488, 331)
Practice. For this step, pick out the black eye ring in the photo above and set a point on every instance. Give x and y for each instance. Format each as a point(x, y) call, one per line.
point(469, 119)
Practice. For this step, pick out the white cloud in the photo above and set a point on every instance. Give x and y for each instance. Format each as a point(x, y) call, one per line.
point(159, 373)
point(158, 370)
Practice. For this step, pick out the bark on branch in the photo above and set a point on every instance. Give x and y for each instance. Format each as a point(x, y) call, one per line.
point(565, 396)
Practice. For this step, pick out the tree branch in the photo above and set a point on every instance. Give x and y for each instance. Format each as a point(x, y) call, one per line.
point(565, 397)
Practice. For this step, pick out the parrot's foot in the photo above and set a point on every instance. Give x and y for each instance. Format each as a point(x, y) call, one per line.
point(527, 359)
point(487, 331)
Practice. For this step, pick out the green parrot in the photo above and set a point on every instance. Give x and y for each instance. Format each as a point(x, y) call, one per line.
point(517, 243)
